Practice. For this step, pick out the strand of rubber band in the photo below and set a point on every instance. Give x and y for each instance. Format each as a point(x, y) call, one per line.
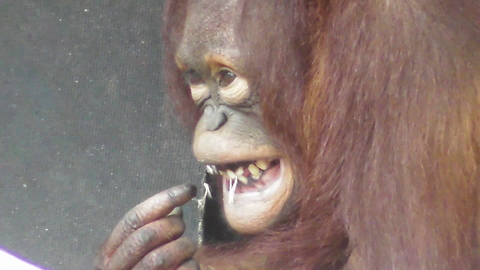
point(233, 187)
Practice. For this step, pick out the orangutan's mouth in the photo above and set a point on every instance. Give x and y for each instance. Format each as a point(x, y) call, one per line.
point(247, 177)
point(254, 192)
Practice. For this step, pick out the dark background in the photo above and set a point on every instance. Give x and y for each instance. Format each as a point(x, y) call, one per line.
point(85, 130)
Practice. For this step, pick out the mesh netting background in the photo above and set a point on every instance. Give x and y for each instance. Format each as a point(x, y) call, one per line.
point(85, 131)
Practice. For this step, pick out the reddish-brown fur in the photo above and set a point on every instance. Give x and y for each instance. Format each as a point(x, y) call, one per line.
point(383, 128)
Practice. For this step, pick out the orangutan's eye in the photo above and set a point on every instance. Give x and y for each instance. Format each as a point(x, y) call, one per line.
point(198, 88)
point(226, 77)
point(233, 89)
point(193, 78)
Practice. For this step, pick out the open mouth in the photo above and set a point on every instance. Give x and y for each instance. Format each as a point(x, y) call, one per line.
point(247, 177)
point(254, 192)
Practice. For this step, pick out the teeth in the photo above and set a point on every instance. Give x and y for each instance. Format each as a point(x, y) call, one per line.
point(243, 179)
point(256, 176)
point(262, 164)
point(239, 171)
point(254, 170)
point(231, 175)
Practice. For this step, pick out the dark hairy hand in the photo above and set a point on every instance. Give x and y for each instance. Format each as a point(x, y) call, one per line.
point(148, 236)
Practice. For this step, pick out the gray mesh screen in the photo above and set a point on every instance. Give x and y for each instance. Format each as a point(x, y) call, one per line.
point(85, 132)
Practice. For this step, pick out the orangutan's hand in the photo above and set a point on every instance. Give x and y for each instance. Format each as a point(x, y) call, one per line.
point(148, 237)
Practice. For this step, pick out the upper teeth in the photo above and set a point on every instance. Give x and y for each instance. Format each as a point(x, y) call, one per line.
point(256, 169)
point(239, 171)
point(262, 164)
point(231, 174)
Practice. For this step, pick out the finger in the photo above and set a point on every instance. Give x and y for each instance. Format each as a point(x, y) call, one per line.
point(144, 240)
point(169, 256)
point(156, 207)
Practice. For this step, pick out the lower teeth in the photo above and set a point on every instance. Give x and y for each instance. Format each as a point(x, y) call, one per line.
point(243, 179)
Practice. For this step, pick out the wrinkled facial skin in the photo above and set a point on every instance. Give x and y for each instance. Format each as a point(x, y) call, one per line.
point(229, 134)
